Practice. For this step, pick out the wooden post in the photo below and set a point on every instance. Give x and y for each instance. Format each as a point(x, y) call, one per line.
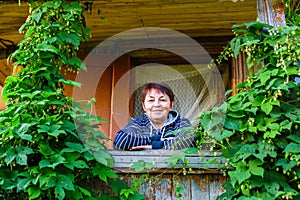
point(271, 12)
point(238, 71)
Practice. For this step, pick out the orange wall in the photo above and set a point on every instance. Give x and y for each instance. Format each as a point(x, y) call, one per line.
point(2, 102)
point(104, 91)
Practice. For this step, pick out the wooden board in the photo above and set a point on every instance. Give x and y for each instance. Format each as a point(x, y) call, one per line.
point(161, 160)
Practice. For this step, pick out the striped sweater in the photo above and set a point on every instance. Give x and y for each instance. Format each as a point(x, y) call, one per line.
point(177, 133)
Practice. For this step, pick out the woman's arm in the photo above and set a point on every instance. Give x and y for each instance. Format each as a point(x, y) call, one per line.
point(131, 136)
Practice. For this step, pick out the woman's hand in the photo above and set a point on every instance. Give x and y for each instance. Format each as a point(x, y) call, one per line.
point(142, 147)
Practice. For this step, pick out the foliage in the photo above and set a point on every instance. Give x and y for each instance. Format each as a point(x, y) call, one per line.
point(292, 11)
point(258, 128)
point(49, 146)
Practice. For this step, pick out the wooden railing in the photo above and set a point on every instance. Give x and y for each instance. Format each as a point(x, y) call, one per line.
point(199, 180)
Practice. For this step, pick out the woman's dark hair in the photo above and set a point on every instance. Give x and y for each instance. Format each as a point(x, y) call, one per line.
point(164, 88)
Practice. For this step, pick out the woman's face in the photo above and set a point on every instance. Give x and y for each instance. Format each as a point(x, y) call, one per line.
point(157, 106)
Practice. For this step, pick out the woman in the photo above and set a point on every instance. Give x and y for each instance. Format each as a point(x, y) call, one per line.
point(160, 127)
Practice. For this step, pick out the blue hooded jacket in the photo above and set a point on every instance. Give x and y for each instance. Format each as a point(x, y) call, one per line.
point(176, 133)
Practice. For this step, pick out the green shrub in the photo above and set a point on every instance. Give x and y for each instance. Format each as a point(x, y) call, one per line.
point(258, 128)
point(49, 148)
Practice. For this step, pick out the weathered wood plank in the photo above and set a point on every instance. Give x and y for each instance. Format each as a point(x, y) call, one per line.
point(163, 186)
point(159, 159)
point(200, 187)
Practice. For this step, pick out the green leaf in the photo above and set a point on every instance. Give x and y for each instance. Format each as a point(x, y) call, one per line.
point(43, 128)
point(272, 187)
point(117, 185)
point(21, 159)
point(47, 48)
point(57, 159)
point(138, 196)
point(235, 44)
point(292, 70)
point(103, 172)
point(238, 114)
point(286, 125)
point(74, 39)
point(139, 165)
point(233, 124)
point(86, 192)
point(65, 182)
point(271, 134)
point(264, 77)
point(245, 151)
point(53, 162)
point(285, 164)
point(149, 165)
point(210, 161)
point(295, 138)
point(225, 134)
point(23, 183)
point(26, 137)
point(104, 158)
point(74, 147)
point(191, 150)
point(126, 192)
point(24, 150)
point(71, 83)
point(36, 16)
point(69, 126)
point(240, 174)
point(73, 8)
point(55, 130)
point(45, 149)
point(70, 159)
point(267, 107)
point(258, 100)
point(252, 129)
point(22, 130)
point(292, 148)
point(47, 94)
point(275, 103)
point(44, 163)
point(34, 192)
point(173, 160)
point(254, 169)
point(59, 192)
point(10, 155)
point(80, 164)
point(48, 179)
point(88, 156)
point(214, 118)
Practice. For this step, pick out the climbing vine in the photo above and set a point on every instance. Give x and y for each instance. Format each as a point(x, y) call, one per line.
point(258, 128)
point(49, 146)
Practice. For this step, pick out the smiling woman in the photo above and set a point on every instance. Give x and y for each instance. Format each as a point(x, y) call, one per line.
point(160, 127)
